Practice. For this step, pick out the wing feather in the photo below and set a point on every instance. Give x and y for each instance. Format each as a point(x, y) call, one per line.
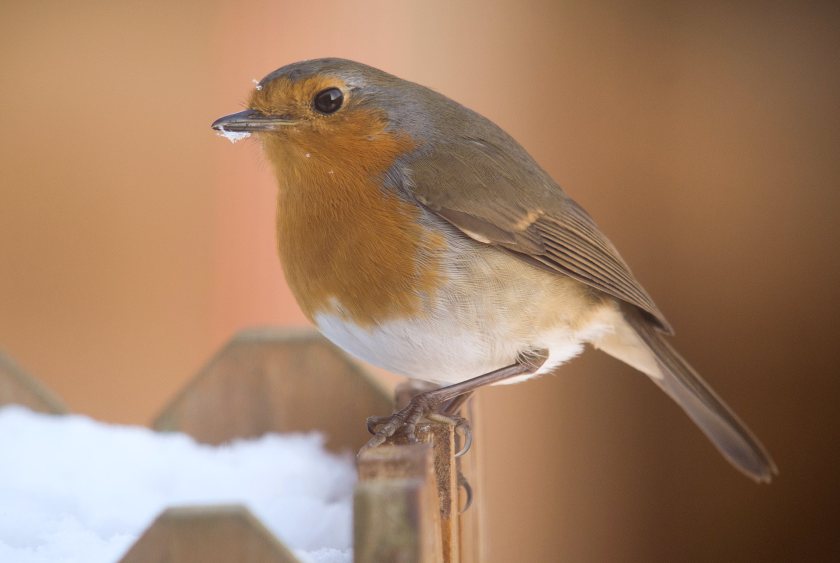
point(503, 198)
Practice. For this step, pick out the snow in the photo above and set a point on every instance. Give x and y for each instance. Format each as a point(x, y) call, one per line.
point(76, 490)
point(232, 136)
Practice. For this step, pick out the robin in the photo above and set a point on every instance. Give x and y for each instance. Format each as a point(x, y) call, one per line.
point(419, 236)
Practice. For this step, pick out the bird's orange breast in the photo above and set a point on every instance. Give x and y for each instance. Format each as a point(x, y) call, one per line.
point(349, 246)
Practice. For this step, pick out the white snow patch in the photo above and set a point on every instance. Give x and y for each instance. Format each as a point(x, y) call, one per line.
point(76, 490)
point(232, 136)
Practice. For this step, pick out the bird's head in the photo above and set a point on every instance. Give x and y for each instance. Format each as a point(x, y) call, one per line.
point(334, 111)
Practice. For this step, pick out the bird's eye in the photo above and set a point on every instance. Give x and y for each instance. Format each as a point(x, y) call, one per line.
point(328, 101)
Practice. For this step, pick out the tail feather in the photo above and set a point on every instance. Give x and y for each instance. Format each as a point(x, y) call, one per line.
point(679, 380)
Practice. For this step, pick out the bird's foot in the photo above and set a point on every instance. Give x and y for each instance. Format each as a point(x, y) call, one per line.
point(404, 422)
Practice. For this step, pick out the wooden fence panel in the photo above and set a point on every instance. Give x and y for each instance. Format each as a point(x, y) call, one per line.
point(208, 534)
point(277, 380)
point(408, 501)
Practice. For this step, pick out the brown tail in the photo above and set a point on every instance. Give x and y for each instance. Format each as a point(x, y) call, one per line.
point(715, 419)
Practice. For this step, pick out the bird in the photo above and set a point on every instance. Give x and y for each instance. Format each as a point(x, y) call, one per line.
point(419, 236)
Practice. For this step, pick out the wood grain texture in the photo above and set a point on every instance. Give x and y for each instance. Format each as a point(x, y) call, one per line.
point(460, 533)
point(470, 466)
point(396, 512)
point(442, 439)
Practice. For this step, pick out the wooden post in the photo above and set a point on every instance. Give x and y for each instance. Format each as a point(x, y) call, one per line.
point(389, 518)
point(471, 470)
point(395, 512)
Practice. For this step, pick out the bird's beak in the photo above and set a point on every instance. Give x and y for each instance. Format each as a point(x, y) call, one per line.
point(250, 121)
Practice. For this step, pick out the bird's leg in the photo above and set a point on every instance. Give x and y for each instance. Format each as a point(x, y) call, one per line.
point(453, 406)
point(405, 420)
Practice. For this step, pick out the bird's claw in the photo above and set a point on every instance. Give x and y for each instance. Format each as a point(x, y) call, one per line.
point(468, 492)
point(462, 428)
point(405, 422)
point(374, 421)
point(466, 437)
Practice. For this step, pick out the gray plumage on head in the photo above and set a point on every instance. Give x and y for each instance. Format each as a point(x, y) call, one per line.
point(427, 116)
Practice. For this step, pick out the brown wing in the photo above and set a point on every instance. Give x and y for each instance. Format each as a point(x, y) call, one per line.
point(503, 198)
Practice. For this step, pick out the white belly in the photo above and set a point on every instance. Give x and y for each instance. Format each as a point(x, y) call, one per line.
point(442, 352)
point(468, 329)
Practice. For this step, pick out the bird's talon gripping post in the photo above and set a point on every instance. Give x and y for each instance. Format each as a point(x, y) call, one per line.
point(462, 429)
point(383, 433)
point(466, 436)
point(402, 422)
point(374, 421)
point(468, 491)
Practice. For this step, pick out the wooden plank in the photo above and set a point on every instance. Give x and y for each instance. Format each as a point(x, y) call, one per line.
point(464, 528)
point(208, 534)
point(472, 520)
point(441, 437)
point(19, 388)
point(393, 524)
point(277, 380)
point(451, 497)
point(397, 462)
point(395, 512)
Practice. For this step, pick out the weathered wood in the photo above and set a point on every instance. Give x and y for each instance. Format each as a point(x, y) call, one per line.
point(20, 388)
point(442, 438)
point(451, 497)
point(395, 511)
point(396, 462)
point(471, 469)
point(461, 530)
point(392, 523)
point(277, 380)
point(208, 534)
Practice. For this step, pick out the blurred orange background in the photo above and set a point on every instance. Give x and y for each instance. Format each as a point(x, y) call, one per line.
point(703, 137)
